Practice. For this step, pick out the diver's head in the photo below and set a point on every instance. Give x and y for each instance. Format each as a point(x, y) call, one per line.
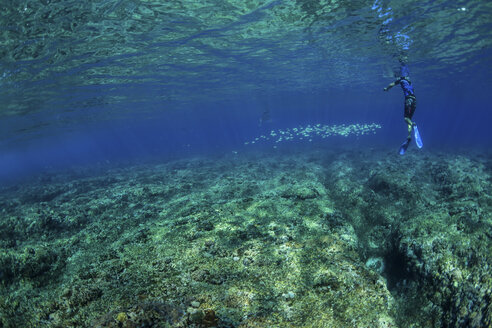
point(401, 75)
point(404, 72)
point(403, 58)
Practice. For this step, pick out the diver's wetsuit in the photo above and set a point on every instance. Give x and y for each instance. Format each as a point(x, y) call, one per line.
point(410, 99)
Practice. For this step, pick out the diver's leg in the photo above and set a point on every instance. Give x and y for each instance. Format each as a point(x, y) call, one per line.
point(408, 119)
point(409, 126)
point(410, 105)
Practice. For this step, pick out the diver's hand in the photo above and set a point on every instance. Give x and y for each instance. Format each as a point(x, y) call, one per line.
point(385, 89)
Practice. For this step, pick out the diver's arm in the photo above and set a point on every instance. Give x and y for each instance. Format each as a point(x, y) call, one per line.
point(392, 84)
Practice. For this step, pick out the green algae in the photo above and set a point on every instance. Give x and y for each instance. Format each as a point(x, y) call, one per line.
point(256, 240)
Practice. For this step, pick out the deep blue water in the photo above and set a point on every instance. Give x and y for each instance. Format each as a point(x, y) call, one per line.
point(104, 81)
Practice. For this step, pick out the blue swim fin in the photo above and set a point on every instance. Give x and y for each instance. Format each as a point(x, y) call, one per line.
point(418, 139)
point(404, 146)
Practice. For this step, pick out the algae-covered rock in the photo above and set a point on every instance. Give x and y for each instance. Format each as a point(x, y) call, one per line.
point(342, 239)
point(144, 314)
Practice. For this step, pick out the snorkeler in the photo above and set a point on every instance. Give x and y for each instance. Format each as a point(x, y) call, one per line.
point(410, 102)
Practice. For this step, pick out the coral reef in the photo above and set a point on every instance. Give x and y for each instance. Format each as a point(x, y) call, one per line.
point(332, 238)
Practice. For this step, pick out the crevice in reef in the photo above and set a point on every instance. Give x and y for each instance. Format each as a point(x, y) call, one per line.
point(396, 266)
point(411, 307)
